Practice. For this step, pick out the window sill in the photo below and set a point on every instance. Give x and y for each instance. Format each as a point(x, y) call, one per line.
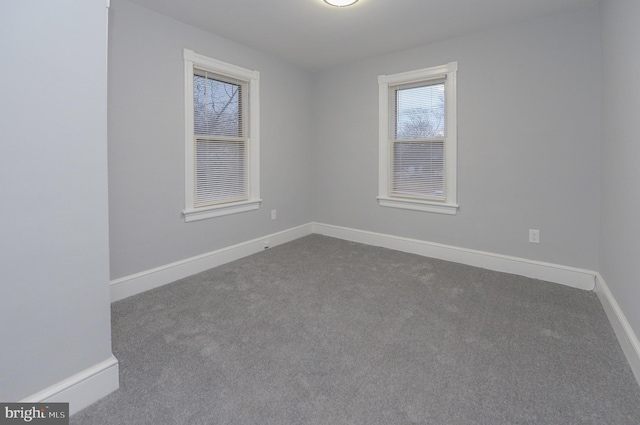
point(415, 205)
point(220, 210)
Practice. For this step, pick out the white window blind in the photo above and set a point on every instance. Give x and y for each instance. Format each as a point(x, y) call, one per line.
point(417, 140)
point(221, 142)
point(417, 143)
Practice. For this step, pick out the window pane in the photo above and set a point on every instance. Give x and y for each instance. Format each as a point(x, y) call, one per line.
point(420, 112)
point(418, 169)
point(221, 172)
point(216, 107)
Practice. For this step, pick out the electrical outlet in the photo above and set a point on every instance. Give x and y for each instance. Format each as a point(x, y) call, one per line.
point(534, 236)
point(273, 214)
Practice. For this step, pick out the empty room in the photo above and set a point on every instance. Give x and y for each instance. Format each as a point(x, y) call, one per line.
point(298, 212)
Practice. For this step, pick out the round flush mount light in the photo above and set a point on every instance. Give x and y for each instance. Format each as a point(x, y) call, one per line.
point(341, 3)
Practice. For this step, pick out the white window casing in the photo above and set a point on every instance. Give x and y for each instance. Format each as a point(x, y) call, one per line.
point(222, 151)
point(418, 140)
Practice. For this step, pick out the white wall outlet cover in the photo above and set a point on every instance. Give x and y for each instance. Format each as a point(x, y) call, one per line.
point(534, 236)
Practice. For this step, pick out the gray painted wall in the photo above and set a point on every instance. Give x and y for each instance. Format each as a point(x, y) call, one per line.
point(54, 262)
point(620, 224)
point(529, 133)
point(529, 142)
point(146, 143)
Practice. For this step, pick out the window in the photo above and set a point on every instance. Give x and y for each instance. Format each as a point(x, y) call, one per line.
point(417, 145)
point(221, 138)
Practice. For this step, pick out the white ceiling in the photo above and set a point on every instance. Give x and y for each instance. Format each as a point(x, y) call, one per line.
point(314, 35)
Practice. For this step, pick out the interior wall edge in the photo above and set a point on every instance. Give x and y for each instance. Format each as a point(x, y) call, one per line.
point(82, 389)
point(624, 332)
point(127, 286)
point(140, 282)
point(556, 273)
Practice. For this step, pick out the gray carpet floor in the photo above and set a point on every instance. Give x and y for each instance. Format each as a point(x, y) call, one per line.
point(325, 331)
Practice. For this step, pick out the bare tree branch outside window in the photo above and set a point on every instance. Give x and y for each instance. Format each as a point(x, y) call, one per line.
point(216, 107)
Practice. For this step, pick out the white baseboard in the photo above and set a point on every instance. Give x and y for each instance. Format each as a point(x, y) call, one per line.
point(140, 282)
point(574, 277)
point(159, 276)
point(626, 336)
point(83, 388)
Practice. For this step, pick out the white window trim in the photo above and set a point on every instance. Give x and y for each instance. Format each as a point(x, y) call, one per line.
point(191, 60)
point(450, 204)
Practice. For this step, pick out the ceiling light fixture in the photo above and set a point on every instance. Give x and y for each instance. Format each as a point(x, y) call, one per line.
point(341, 3)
